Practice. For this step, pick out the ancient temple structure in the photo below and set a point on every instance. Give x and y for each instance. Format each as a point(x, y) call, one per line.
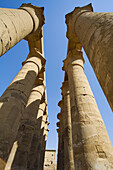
point(23, 105)
point(83, 140)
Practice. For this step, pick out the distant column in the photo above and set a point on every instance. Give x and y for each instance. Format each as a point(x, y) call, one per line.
point(61, 137)
point(43, 143)
point(16, 24)
point(95, 32)
point(68, 151)
point(59, 141)
point(41, 119)
point(26, 129)
point(14, 100)
point(35, 150)
point(91, 144)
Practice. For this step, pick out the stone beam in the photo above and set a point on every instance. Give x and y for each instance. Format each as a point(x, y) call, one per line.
point(95, 32)
point(16, 24)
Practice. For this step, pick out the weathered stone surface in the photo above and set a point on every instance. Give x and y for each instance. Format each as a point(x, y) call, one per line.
point(36, 154)
point(15, 98)
point(91, 145)
point(67, 129)
point(20, 102)
point(36, 157)
point(94, 31)
point(14, 101)
point(60, 156)
point(50, 160)
point(16, 24)
point(27, 127)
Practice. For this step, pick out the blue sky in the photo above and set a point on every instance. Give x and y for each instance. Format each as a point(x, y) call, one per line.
point(55, 48)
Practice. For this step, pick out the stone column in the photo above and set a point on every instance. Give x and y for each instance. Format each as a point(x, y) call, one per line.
point(14, 100)
point(59, 141)
point(68, 151)
point(26, 129)
point(94, 31)
point(16, 24)
point(40, 152)
point(44, 126)
point(35, 150)
point(37, 138)
point(91, 144)
point(61, 137)
point(42, 119)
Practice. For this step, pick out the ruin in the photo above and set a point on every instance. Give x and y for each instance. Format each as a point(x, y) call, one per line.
point(89, 146)
point(83, 142)
point(23, 105)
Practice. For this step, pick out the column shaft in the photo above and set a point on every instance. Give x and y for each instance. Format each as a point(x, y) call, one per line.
point(61, 136)
point(26, 129)
point(59, 141)
point(58, 154)
point(14, 100)
point(16, 24)
point(91, 145)
point(68, 151)
point(43, 145)
point(36, 140)
point(94, 31)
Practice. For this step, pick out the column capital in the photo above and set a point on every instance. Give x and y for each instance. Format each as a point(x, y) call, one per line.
point(60, 104)
point(58, 124)
point(59, 116)
point(39, 89)
point(46, 126)
point(39, 81)
point(58, 130)
point(41, 110)
point(47, 130)
point(71, 20)
point(37, 15)
point(37, 53)
point(33, 56)
point(74, 57)
point(65, 88)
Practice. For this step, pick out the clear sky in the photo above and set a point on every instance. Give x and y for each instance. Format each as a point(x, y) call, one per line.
point(55, 47)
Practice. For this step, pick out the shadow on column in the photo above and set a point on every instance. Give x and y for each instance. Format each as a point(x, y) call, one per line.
point(13, 102)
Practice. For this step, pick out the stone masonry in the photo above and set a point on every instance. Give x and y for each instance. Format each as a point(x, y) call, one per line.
point(91, 146)
point(23, 106)
point(83, 142)
point(94, 31)
point(16, 24)
point(50, 160)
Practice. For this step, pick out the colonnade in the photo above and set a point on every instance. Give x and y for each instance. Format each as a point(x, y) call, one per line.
point(88, 145)
point(83, 142)
point(23, 105)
